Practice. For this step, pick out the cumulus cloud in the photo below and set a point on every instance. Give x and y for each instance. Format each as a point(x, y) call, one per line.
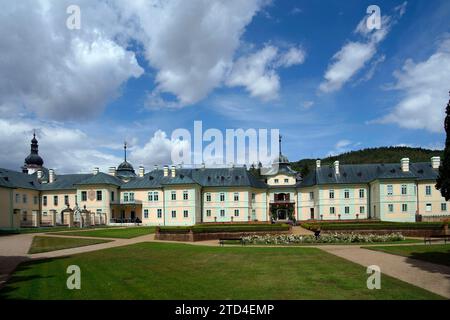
point(157, 150)
point(257, 72)
point(424, 87)
point(191, 44)
point(55, 72)
point(63, 149)
point(355, 55)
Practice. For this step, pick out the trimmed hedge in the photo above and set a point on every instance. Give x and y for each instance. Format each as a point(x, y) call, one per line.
point(373, 226)
point(226, 228)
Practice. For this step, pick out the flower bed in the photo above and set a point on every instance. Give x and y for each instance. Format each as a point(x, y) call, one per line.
point(326, 238)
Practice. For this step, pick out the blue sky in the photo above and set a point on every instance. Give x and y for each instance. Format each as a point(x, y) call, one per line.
point(396, 96)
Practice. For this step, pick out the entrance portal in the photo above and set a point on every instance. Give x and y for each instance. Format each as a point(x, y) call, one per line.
point(282, 214)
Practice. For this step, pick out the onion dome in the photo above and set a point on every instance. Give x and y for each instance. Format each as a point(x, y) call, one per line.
point(34, 160)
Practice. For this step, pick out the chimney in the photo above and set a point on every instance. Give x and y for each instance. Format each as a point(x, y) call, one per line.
point(155, 167)
point(112, 171)
point(336, 167)
point(435, 162)
point(173, 171)
point(96, 171)
point(405, 164)
point(39, 174)
point(51, 176)
point(141, 171)
point(318, 163)
point(166, 171)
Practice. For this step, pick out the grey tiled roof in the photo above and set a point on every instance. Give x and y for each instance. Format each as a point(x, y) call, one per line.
point(19, 180)
point(365, 173)
point(65, 182)
point(5, 183)
point(101, 178)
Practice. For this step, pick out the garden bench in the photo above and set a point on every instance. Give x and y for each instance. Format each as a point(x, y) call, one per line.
point(222, 241)
point(436, 238)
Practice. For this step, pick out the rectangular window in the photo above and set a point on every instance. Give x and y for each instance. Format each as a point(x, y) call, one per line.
point(44, 200)
point(222, 197)
point(390, 208)
point(174, 214)
point(159, 213)
point(155, 196)
point(236, 213)
point(253, 197)
point(404, 189)
point(347, 210)
point(208, 213)
point(83, 196)
point(331, 194)
point(277, 181)
point(311, 195)
point(346, 194)
point(404, 207)
point(112, 196)
point(146, 213)
point(208, 197)
point(236, 196)
point(125, 197)
point(99, 195)
point(131, 196)
point(390, 190)
point(24, 198)
point(428, 207)
point(17, 198)
point(361, 193)
point(362, 210)
point(185, 195)
point(222, 213)
point(286, 180)
point(332, 211)
point(186, 214)
point(66, 200)
point(443, 206)
point(35, 199)
point(150, 196)
point(55, 200)
point(174, 195)
point(428, 190)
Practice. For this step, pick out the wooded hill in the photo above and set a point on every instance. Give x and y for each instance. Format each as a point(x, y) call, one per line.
point(371, 155)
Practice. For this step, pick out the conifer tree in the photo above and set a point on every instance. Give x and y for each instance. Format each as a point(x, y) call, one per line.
point(443, 180)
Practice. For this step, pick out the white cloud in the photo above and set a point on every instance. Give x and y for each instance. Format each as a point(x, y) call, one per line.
point(355, 55)
point(191, 44)
point(424, 86)
point(257, 72)
point(55, 72)
point(157, 150)
point(63, 149)
point(307, 104)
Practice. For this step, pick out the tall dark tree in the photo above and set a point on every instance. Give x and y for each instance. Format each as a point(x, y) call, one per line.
point(443, 180)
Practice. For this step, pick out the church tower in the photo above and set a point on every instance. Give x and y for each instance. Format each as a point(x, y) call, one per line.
point(33, 162)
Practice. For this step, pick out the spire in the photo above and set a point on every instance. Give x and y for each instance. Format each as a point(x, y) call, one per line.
point(279, 140)
point(125, 150)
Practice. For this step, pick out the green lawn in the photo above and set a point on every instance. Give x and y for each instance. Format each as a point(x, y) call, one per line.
point(181, 271)
point(46, 244)
point(436, 253)
point(123, 233)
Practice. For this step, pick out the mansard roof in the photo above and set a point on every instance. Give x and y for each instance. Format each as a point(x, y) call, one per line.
point(206, 177)
point(19, 180)
point(365, 173)
point(65, 182)
point(101, 178)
